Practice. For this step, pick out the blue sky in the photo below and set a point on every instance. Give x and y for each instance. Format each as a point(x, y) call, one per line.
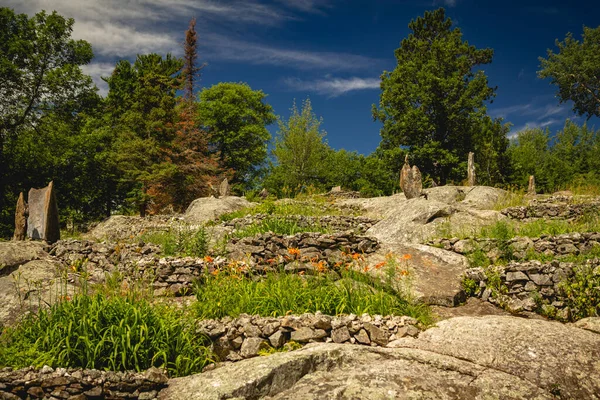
point(333, 51)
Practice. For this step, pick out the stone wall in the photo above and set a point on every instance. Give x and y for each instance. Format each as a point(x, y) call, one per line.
point(78, 384)
point(246, 336)
point(529, 286)
point(359, 224)
point(175, 275)
point(568, 243)
point(548, 209)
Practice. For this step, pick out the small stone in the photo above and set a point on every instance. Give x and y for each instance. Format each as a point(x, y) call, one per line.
point(340, 335)
point(252, 346)
point(148, 395)
point(94, 392)
point(516, 276)
point(277, 339)
point(303, 335)
point(36, 391)
point(362, 337)
point(407, 330)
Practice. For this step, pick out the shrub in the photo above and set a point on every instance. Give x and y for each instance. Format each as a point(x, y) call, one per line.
point(180, 241)
point(279, 226)
point(582, 291)
point(106, 332)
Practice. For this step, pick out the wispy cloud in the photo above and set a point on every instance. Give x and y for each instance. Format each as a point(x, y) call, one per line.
point(97, 71)
point(256, 53)
point(521, 74)
point(333, 87)
point(308, 6)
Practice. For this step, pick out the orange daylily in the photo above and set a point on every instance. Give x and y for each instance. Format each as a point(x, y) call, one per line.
point(407, 256)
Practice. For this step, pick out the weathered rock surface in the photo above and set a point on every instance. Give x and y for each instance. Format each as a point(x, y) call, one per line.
point(435, 274)
point(411, 181)
point(208, 208)
point(20, 219)
point(13, 254)
point(43, 220)
point(462, 358)
point(120, 227)
point(591, 324)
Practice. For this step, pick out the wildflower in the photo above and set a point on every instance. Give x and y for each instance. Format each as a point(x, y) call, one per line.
point(208, 259)
point(356, 256)
point(404, 272)
point(294, 251)
point(407, 256)
point(366, 268)
point(379, 265)
point(215, 272)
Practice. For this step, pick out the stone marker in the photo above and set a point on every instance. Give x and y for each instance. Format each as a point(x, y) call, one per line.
point(411, 180)
point(531, 187)
point(263, 194)
point(336, 189)
point(471, 170)
point(224, 188)
point(20, 219)
point(43, 222)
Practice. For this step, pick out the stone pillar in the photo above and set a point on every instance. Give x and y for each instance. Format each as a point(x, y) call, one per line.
point(531, 187)
point(471, 171)
point(20, 219)
point(410, 180)
point(224, 188)
point(43, 221)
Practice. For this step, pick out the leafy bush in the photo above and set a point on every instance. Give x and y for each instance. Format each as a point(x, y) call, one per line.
point(582, 291)
point(470, 287)
point(116, 333)
point(231, 294)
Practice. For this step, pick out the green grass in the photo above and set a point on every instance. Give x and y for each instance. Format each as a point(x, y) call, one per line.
point(279, 226)
point(278, 294)
point(582, 292)
point(179, 241)
point(284, 208)
point(115, 333)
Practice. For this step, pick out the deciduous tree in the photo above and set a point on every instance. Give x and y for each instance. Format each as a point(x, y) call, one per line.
point(575, 69)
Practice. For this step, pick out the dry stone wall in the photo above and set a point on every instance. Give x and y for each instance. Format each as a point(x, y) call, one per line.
point(245, 336)
point(176, 275)
point(552, 210)
point(80, 384)
point(568, 243)
point(529, 286)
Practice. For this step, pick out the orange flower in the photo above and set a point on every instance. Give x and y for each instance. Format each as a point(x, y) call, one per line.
point(356, 256)
point(379, 265)
point(404, 272)
point(208, 259)
point(301, 273)
point(407, 256)
point(366, 268)
point(294, 251)
point(215, 272)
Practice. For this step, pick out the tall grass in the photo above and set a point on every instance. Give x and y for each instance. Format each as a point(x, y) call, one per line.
point(116, 333)
point(179, 241)
point(277, 294)
point(283, 208)
point(279, 226)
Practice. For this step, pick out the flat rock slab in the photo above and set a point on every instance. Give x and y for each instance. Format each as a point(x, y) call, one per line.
point(435, 273)
point(489, 357)
point(472, 307)
point(15, 253)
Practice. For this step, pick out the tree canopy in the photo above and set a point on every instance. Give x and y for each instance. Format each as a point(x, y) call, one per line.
point(236, 119)
point(575, 69)
point(433, 102)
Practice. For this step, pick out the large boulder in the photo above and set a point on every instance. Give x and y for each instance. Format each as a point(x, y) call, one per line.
point(435, 274)
point(418, 220)
point(16, 253)
point(208, 208)
point(490, 357)
point(121, 227)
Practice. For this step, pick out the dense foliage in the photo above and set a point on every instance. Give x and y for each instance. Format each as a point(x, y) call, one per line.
point(575, 69)
point(155, 144)
point(433, 102)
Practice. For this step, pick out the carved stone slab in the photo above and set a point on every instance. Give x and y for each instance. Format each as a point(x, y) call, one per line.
point(411, 180)
point(471, 170)
point(43, 221)
point(224, 188)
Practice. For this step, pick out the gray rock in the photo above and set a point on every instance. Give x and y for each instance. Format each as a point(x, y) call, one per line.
point(43, 221)
point(462, 358)
point(340, 335)
point(252, 346)
point(20, 219)
point(303, 335)
point(362, 337)
point(277, 339)
point(208, 208)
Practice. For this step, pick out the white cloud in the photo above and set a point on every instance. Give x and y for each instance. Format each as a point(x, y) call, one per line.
point(97, 71)
point(334, 86)
point(308, 6)
point(238, 50)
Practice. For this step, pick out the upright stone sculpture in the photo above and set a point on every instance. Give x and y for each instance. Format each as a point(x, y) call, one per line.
point(411, 180)
point(471, 170)
point(20, 219)
point(531, 187)
point(43, 222)
point(224, 188)
point(264, 193)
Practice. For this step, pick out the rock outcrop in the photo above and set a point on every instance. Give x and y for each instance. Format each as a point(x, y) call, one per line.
point(208, 208)
point(461, 358)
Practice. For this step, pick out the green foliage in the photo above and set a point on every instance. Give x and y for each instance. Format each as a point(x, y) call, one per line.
point(300, 150)
point(235, 117)
point(568, 159)
point(115, 333)
point(478, 258)
point(284, 208)
point(575, 69)
point(278, 294)
point(44, 96)
point(278, 226)
point(582, 292)
point(470, 287)
point(179, 241)
point(433, 102)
